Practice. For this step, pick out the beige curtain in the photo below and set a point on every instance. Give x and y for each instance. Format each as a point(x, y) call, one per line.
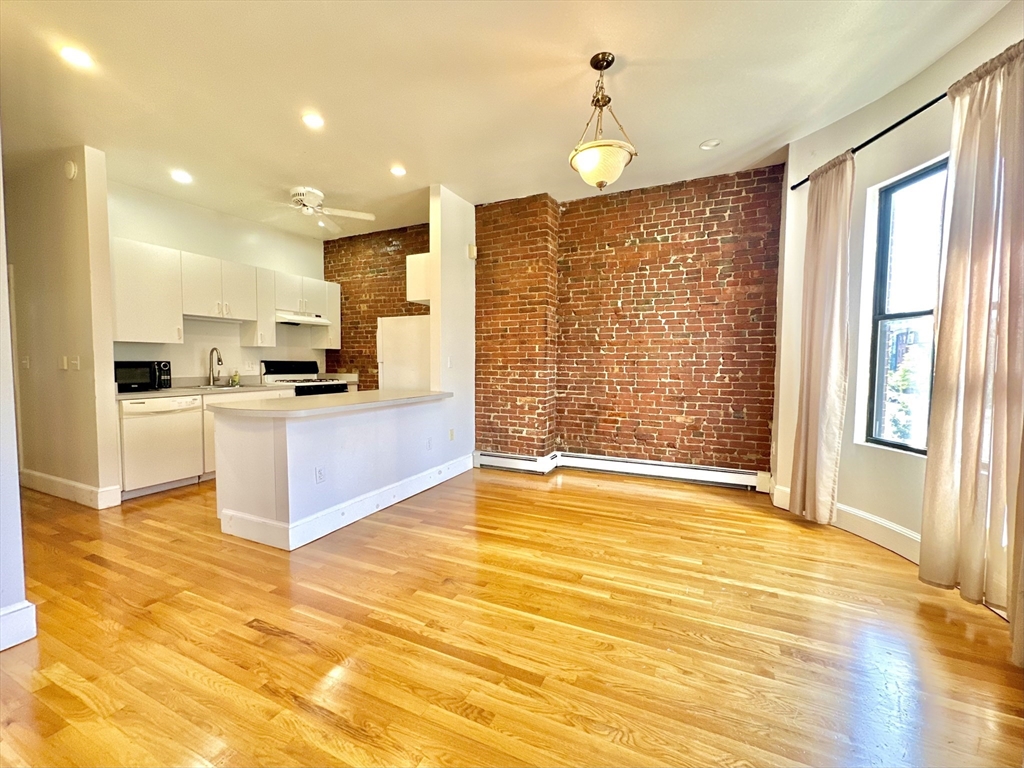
point(823, 344)
point(973, 519)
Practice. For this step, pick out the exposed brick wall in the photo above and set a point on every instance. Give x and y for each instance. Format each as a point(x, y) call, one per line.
point(371, 272)
point(639, 324)
point(516, 284)
point(666, 321)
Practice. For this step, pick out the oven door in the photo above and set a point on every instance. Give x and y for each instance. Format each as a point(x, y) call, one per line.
point(132, 376)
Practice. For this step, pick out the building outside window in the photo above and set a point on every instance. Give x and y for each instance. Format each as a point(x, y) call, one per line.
point(910, 218)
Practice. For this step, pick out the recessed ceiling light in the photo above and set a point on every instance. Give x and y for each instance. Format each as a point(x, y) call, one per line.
point(397, 170)
point(182, 177)
point(710, 143)
point(76, 57)
point(320, 223)
point(313, 120)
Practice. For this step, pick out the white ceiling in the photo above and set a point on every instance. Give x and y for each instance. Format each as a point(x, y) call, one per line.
point(487, 98)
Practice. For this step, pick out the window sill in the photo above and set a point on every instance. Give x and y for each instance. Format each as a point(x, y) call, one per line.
point(891, 449)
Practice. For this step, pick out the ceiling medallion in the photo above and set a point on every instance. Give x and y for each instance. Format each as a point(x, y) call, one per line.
point(600, 161)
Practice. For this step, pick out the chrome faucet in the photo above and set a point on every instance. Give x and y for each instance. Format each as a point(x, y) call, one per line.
point(220, 361)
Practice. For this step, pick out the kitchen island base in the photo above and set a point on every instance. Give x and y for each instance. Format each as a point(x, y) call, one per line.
point(292, 471)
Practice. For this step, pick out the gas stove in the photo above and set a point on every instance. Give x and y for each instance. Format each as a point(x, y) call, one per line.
point(304, 374)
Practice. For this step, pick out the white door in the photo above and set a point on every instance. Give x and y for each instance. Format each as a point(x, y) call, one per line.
point(161, 440)
point(314, 296)
point(288, 289)
point(239, 290)
point(201, 285)
point(146, 287)
point(403, 352)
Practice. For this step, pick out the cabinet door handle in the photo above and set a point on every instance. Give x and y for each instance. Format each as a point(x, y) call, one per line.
point(261, 337)
point(219, 312)
point(227, 309)
point(178, 329)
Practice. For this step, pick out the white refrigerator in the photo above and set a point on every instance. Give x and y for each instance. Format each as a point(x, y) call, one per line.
point(403, 352)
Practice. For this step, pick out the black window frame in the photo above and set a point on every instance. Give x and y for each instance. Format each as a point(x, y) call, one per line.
point(879, 315)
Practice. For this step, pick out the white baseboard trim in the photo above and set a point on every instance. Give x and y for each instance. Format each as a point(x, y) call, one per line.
point(278, 534)
point(157, 488)
point(80, 493)
point(780, 496)
point(736, 478)
point(17, 624)
point(903, 541)
point(885, 533)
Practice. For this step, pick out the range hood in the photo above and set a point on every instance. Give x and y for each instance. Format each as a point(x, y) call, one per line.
point(294, 318)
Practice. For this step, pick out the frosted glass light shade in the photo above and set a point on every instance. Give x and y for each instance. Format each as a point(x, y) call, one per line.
point(600, 162)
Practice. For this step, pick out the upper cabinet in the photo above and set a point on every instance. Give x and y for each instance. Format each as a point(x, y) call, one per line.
point(146, 282)
point(239, 290)
point(329, 336)
point(305, 295)
point(314, 296)
point(156, 287)
point(215, 288)
point(416, 286)
point(263, 332)
point(289, 292)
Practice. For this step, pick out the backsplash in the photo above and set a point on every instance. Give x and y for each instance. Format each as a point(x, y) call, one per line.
point(191, 359)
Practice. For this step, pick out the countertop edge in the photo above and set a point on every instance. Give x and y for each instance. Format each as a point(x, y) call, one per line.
point(252, 410)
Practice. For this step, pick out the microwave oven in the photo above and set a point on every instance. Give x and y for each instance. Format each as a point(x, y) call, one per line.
point(142, 376)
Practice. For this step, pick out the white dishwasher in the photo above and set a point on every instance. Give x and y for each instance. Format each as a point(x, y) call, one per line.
point(161, 440)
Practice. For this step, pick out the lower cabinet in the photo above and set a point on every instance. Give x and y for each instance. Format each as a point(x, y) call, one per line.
point(209, 451)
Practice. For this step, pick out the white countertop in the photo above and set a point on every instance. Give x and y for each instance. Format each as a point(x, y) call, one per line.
point(326, 405)
point(189, 391)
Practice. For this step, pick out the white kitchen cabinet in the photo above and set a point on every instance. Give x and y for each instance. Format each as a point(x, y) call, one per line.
point(288, 289)
point(263, 332)
point(416, 284)
point(201, 285)
point(146, 287)
point(314, 296)
point(209, 446)
point(216, 288)
point(238, 283)
point(329, 336)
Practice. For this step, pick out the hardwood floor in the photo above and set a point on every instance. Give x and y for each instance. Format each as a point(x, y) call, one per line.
point(498, 619)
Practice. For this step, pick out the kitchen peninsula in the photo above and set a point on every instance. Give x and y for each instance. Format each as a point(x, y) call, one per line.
point(290, 471)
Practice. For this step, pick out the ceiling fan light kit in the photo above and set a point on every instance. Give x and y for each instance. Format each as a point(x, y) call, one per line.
point(601, 161)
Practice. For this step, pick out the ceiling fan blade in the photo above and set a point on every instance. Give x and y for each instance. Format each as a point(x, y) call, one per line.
point(329, 225)
point(349, 214)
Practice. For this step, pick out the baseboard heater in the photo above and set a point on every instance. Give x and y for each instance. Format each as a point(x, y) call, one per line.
point(691, 473)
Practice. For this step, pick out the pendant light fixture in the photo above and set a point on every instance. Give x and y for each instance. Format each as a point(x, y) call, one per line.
point(600, 161)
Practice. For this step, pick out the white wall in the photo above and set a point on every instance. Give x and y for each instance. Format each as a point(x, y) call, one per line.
point(17, 616)
point(152, 218)
point(451, 282)
point(58, 243)
point(880, 489)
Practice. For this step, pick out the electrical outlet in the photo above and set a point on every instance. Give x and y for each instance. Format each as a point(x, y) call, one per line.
point(250, 366)
point(449, 362)
point(25, 362)
point(321, 474)
point(76, 363)
point(451, 435)
point(430, 444)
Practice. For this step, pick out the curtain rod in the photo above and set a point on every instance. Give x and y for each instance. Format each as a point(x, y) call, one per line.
point(882, 133)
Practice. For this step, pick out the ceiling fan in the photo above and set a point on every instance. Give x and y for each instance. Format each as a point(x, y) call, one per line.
point(310, 202)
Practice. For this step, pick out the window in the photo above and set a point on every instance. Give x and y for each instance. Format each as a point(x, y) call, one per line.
point(910, 215)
